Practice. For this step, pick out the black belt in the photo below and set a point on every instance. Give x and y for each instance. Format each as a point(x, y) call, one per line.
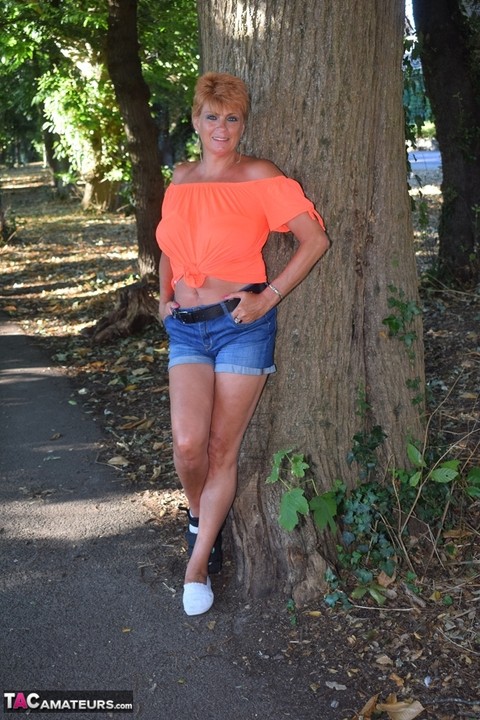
point(209, 312)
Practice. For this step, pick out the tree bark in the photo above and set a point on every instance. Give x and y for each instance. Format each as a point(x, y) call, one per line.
point(134, 309)
point(448, 41)
point(326, 85)
point(59, 167)
point(101, 194)
point(133, 95)
point(3, 223)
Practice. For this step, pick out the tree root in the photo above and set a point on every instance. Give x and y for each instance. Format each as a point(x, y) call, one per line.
point(135, 308)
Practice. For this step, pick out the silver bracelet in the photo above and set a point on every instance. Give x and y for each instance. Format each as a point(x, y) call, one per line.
point(275, 290)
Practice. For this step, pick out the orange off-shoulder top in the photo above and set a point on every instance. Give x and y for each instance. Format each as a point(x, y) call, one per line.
point(218, 229)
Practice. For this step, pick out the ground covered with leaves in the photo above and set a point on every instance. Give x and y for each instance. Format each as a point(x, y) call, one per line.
point(60, 269)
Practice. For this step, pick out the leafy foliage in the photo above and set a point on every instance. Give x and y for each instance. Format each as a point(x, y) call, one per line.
point(53, 54)
point(294, 501)
point(373, 519)
point(400, 321)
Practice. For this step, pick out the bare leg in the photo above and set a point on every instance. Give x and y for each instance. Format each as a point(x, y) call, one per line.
point(191, 402)
point(235, 399)
point(210, 413)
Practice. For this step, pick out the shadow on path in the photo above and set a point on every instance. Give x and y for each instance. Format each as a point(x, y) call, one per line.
point(83, 606)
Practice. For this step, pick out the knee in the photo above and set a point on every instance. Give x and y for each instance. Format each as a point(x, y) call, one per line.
point(221, 454)
point(189, 450)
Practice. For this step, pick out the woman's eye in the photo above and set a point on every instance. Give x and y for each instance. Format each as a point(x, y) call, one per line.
point(233, 118)
point(211, 117)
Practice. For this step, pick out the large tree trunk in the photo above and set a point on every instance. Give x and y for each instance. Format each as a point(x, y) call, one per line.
point(448, 41)
point(100, 193)
point(59, 167)
point(326, 85)
point(133, 97)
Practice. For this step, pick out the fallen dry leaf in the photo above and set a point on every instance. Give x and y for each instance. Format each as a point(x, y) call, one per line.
point(367, 710)
point(404, 710)
point(118, 461)
point(384, 580)
point(335, 686)
point(383, 660)
point(146, 424)
point(459, 533)
point(140, 371)
point(399, 682)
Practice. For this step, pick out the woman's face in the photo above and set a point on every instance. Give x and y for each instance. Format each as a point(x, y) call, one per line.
point(220, 130)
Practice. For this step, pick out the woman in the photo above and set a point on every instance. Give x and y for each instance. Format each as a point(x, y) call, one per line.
point(219, 310)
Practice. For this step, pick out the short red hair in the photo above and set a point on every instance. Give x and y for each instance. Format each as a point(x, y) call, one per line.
point(220, 91)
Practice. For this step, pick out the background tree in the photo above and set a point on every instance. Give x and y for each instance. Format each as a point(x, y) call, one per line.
point(20, 137)
point(449, 43)
point(61, 44)
point(136, 306)
point(67, 49)
point(326, 85)
point(133, 96)
point(81, 112)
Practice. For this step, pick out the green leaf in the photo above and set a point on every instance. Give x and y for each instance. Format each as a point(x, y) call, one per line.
point(377, 595)
point(473, 492)
point(392, 323)
point(293, 502)
point(453, 464)
point(358, 593)
point(474, 476)
point(415, 456)
point(324, 509)
point(278, 459)
point(280, 455)
point(365, 576)
point(415, 479)
point(274, 475)
point(443, 475)
point(298, 466)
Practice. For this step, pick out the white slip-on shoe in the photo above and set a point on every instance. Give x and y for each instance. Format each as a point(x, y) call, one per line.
point(197, 597)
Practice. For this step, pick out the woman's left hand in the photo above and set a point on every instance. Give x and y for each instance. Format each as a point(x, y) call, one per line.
point(252, 306)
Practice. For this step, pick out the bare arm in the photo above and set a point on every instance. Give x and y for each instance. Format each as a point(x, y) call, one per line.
point(166, 302)
point(312, 244)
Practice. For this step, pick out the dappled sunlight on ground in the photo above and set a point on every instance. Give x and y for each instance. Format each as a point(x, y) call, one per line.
point(65, 263)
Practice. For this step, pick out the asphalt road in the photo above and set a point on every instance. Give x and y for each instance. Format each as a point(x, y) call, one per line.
point(424, 160)
point(76, 610)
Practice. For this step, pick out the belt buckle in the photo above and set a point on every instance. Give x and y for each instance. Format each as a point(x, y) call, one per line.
point(180, 315)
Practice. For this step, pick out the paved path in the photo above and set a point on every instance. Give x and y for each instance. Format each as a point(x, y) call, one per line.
point(75, 611)
point(421, 160)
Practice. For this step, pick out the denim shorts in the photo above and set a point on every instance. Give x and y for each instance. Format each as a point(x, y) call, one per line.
point(246, 348)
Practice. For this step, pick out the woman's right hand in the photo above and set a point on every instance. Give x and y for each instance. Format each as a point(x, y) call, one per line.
point(165, 308)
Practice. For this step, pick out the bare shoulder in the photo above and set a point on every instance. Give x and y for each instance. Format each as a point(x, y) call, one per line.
point(184, 172)
point(259, 169)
